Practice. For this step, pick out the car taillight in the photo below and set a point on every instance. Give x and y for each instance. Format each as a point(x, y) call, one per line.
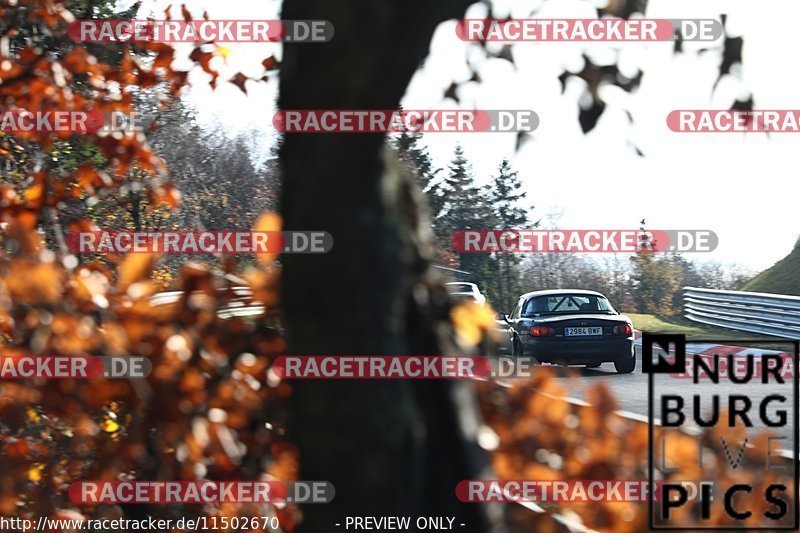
point(623, 329)
point(542, 331)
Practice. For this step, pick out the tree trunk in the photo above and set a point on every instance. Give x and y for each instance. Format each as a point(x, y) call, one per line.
point(389, 447)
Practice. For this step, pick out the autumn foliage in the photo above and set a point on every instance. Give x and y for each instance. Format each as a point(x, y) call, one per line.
point(210, 409)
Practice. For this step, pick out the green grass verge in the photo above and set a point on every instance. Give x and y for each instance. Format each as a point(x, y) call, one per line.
point(695, 330)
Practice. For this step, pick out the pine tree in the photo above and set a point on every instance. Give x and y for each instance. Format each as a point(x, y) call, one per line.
point(414, 155)
point(506, 197)
point(465, 202)
point(466, 207)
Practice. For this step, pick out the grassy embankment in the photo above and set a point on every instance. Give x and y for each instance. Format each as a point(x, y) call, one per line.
point(781, 278)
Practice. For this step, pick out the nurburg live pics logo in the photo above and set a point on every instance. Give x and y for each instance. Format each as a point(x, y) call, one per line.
point(725, 405)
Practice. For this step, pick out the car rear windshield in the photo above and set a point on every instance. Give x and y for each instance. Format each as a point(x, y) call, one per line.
point(567, 304)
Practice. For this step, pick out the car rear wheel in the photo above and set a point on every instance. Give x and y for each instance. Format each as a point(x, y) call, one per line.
point(626, 364)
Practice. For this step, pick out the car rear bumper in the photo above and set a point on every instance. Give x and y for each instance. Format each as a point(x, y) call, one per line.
point(578, 351)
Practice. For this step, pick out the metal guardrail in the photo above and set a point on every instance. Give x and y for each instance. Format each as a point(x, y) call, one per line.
point(754, 312)
point(241, 306)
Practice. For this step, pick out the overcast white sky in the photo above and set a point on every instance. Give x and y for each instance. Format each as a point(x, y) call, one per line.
point(743, 186)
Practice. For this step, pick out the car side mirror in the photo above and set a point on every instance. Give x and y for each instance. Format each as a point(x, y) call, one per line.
point(502, 316)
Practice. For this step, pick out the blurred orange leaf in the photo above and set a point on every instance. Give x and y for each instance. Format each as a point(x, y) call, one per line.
point(135, 267)
point(268, 222)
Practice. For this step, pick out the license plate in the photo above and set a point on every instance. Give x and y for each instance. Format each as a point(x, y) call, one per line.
point(576, 332)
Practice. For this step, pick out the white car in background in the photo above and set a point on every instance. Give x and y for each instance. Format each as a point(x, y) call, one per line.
point(460, 290)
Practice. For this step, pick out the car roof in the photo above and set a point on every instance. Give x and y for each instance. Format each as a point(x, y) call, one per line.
point(552, 292)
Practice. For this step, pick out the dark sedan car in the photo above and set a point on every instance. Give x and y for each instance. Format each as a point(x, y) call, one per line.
point(571, 327)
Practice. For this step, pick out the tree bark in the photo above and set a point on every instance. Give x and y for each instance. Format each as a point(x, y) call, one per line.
point(389, 447)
